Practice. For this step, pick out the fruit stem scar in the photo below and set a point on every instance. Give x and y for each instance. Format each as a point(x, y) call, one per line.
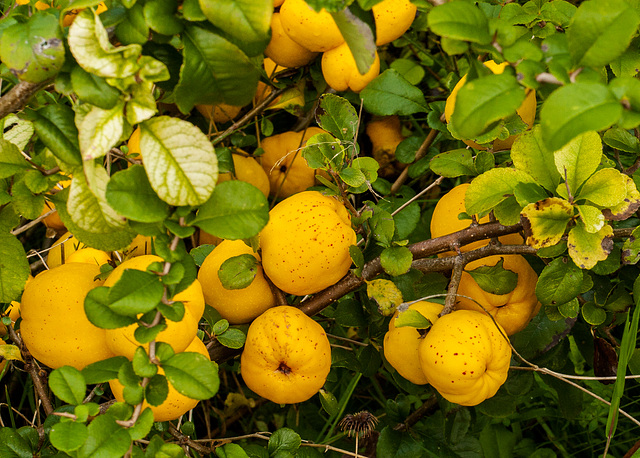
point(286, 370)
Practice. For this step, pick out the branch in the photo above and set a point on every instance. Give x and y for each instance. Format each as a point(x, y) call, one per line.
point(422, 152)
point(18, 96)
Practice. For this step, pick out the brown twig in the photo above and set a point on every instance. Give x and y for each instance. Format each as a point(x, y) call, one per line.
point(18, 96)
point(422, 152)
point(412, 419)
point(456, 275)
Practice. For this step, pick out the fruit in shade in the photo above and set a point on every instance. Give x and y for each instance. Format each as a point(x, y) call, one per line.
point(282, 160)
point(401, 344)
point(283, 50)
point(393, 18)
point(316, 31)
point(513, 310)
point(527, 110)
point(62, 248)
point(53, 221)
point(445, 220)
point(286, 357)
point(465, 356)
point(235, 305)
point(139, 246)
point(341, 73)
point(220, 113)
point(176, 404)
point(385, 133)
point(249, 170)
point(134, 144)
point(4, 362)
point(178, 334)
point(54, 325)
point(305, 244)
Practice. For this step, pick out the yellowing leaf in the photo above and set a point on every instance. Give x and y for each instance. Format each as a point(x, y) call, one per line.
point(10, 352)
point(577, 160)
point(544, 222)
point(586, 248)
point(592, 217)
point(100, 130)
point(629, 204)
point(530, 154)
point(386, 294)
point(492, 187)
point(606, 188)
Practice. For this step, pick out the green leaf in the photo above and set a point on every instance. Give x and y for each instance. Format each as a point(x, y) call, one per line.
point(483, 102)
point(106, 438)
point(100, 130)
point(130, 194)
point(157, 390)
point(283, 440)
point(605, 188)
point(231, 451)
point(622, 140)
point(143, 426)
point(232, 338)
point(462, 21)
point(495, 279)
point(11, 160)
point(631, 248)
point(586, 248)
point(559, 282)
point(68, 384)
point(492, 187)
point(236, 210)
point(133, 28)
point(98, 310)
point(160, 15)
point(578, 160)
point(386, 294)
point(396, 260)
point(540, 336)
point(396, 444)
point(93, 89)
point(13, 445)
point(352, 177)
point(529, 193)
point(329, 402)
point(577, 108)
point(382, 226)
point(601, 32)
point(530, 154)
point(192, 375)
point(592, 217)
point(135, 292)
point(390, 93)
point(68, 436)
point(544, 222)
point(593, 314)
point(411, 70)
point(14, 268)
point(324, 151)
point(247, 21)
point(179, 159)
point(238, 272)
point(16, 130)
point(89, 43)
point(55, 127)
point(218, 68)
point(412, 318)
point(103, 371)
point(33, 50)
point(359, 37)
point(453, 163)
point(337, 116)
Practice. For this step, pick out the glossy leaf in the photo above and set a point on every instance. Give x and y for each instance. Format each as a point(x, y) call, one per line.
point(192, 375)
point(107, 437)
point(390, 93)
point(135, 292)
point(359, 37)
point(559, 282)
point(492, 187)
point(338, 117)
point(131, 194)
point(396, 260)
point(453, 163)
point(544, 222)
point(495, 279)
point(530, 154)
point(605, 188)
point(68, 384)
point(55, 127)
point(460, 21)
point(103, 371)
point(283, 440)
point(238, 272)
point(100, 130)
point(578, 160)
point(14, 267)
point(93, 89)
point(68, 436)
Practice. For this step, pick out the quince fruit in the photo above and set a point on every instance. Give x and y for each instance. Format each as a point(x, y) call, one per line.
point(444, 221)
point(465, 356)
point(315, 31)
point(527, 110)
point(90, 256)
point(178, 334)
point(287, 170)
point(249, 170)
point(305, 244)
point(176, 404)
point(220, 113)
point(141, 245)
point(513, 310)
point(286, 357)
point(401, 344)
point(393, 18)
point(54, 325)
point(237, 306)
point(283, 50)
point(341, 72)
point(385, 133)
point(62, 248)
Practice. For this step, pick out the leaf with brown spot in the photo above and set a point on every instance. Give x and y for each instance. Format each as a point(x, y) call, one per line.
point(629, 204)
point(586, 249)
point(545, 221)
point(386, 294)
point(631, 248)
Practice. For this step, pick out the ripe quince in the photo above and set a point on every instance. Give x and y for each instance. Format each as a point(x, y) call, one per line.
point(401, 344)
point(341, 72)
point(283, 50)
point(444, 220)
point(465, 356)
point(178, 334)
point(287, 170)
point(139, 246)
point(527, 110)
point(248, 169)
point(62, 248)
point(89, 255)
point(513, 310)
point(286, 357)
point(393, 18)
point(316, 31)
point(305, 244)
point(176, 404)
point(385, 133)
point(235, 305)
point(220, 113)
point(54, 325)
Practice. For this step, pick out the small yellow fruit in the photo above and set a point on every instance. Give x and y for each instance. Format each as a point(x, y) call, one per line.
point(445, 220)
point(286, 357)
point(316, 31)
point(283, 50)
point(134, 144)
point(62, 248)
point(53, 221)
point(401, 344)
point(235, 305)
point(220, 113)
point(527, 110)
point(90, 256)
point(71, 15)
point(178, 334)
point(385, 133)
point(13, 312)
point(513, 310)
point(176, 404)
point(54, 325)
point(465, 357)
point(139, 246)
point(282, 160)
point(393, 18)
point(341, 73)
point(305, 244)
point(250, 171)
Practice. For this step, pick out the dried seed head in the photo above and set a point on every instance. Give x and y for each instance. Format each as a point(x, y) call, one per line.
point(360, 424)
